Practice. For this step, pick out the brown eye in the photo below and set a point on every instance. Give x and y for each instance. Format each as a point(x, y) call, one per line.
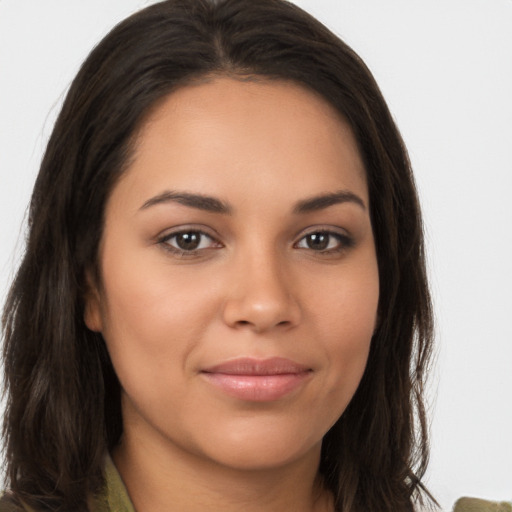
point(318, 241)
point(188, 241)
point(324, 241)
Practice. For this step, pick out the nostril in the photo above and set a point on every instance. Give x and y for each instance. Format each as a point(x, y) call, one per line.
point(260, 311)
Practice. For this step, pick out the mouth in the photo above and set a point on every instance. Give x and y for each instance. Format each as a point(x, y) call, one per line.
point(257, 380)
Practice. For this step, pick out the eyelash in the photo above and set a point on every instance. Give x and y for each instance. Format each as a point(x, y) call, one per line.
point(344, 242)
point(164, 241)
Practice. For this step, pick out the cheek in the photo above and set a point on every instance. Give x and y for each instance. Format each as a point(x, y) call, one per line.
point(346, 304)
point(346, 317)
point(149, 321)
point(154, 318)
point(149, 333)
point(146, 296)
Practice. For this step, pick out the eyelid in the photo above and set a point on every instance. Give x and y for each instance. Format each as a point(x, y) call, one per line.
point(323, 228)
point(184, 228)
point(346, 240)
point(163, 239)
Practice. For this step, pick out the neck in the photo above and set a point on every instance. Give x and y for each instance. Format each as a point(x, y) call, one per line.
point(162, 477)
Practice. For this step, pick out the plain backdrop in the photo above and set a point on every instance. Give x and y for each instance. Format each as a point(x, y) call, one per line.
point(445, 68)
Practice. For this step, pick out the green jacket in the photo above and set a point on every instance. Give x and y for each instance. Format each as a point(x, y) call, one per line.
point(476, 505)
point(114, 498)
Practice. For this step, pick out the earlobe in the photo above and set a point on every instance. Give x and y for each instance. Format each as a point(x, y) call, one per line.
point(92, 306)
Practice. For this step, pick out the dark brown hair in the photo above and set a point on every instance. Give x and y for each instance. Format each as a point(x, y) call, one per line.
point(63, 398)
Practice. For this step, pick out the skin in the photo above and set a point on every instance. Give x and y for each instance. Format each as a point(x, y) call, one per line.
point(256, 286)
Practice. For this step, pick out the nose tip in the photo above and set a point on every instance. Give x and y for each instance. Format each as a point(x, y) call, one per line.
point(258, 317)
point(261, 300)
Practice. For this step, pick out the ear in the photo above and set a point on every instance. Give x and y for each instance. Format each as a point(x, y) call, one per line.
point(92, 305)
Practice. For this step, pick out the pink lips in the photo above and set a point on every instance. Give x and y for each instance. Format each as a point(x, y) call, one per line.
point(257, 380)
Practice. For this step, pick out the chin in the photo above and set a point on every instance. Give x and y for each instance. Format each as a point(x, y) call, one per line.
point(253, 448)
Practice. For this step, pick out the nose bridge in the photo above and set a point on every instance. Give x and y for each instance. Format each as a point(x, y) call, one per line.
point(261, 294)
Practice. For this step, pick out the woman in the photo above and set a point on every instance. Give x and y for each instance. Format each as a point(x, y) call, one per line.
point(223, 301)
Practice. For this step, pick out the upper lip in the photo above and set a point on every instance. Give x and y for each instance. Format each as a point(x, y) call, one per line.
point(255, 367)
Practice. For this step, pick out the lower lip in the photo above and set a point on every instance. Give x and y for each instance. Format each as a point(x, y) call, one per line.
point(257, 388)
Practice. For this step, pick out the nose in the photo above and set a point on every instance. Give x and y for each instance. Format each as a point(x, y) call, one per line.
point(262, 296)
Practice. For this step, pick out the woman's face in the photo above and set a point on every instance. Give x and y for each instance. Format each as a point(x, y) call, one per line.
point(239, 277)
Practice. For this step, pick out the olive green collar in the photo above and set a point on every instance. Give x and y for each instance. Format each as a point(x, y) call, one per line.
point(115, 496)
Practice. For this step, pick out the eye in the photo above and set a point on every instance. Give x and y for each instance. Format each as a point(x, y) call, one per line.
point(188, 241)
point(324, 241)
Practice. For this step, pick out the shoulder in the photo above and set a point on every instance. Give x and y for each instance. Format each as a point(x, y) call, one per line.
point(478, 505)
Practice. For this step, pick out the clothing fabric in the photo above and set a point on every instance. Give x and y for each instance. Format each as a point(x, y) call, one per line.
point(114, 497)
point(477, 505)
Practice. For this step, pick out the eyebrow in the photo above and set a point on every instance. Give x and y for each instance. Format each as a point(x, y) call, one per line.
point(214, 205)
point(322, 201)
point(199, 201)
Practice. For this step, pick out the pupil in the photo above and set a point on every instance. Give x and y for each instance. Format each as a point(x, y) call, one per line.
point(188, 241)
point(318, 241)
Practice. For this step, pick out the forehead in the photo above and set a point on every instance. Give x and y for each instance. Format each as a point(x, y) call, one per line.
point(256, 135)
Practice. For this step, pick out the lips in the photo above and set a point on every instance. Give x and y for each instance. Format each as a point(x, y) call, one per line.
point(257, 380)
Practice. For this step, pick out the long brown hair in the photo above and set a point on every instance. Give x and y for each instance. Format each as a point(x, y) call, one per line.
point(63, 397)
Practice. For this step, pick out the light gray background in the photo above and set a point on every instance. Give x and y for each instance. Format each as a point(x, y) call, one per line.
point(445, 67)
